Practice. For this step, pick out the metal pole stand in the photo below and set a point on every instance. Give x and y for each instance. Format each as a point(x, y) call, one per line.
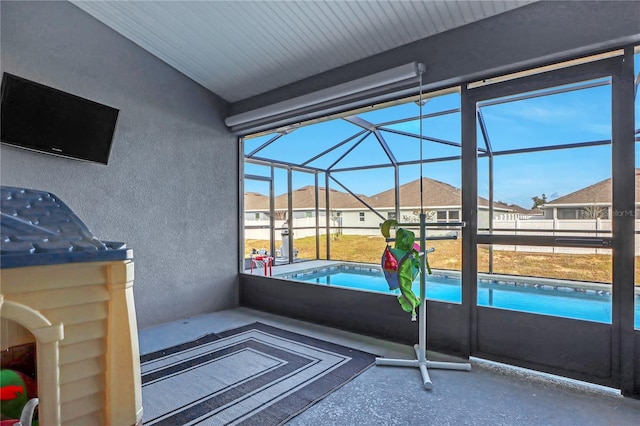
point(421, 360)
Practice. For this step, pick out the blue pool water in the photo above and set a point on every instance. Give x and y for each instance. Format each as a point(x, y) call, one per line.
point(542, 299)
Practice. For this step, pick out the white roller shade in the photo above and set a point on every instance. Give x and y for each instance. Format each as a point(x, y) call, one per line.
point(373, 88)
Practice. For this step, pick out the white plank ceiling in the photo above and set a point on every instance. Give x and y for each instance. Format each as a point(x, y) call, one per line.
point(238, 49)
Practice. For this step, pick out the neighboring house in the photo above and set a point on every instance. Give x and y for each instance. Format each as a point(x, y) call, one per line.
point(592, 202)
point(441, 201)
point(303, 203)
point(256, 206)
point(517, 212)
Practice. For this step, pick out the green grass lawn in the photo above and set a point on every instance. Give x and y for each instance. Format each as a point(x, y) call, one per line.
point(448, 255)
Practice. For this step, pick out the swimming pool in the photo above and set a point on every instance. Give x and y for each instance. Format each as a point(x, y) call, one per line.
point(550, 297)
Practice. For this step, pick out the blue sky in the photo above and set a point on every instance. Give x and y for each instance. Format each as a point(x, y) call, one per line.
point(571, 117)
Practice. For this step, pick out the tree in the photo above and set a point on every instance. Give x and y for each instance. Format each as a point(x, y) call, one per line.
point(336, 222)
point(414, 216)
point(594, 212)
point(538, 201)
point(278, 214)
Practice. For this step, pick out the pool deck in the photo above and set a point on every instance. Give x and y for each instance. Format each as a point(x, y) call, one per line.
point(295, 267)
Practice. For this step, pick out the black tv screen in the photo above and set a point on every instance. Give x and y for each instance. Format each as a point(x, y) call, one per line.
point(44, 119)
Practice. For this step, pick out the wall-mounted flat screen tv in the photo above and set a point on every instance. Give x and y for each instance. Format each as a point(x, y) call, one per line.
point(40, 118)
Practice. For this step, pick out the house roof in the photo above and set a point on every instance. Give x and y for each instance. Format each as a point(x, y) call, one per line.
point(304, 198)
point(436, 194)
point(255, 201)
point(514, 208)
point(598, 193)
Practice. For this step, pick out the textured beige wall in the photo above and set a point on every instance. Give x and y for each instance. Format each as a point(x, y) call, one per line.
point(170, 188)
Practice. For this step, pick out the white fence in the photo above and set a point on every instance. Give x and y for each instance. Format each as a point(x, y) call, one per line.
point(506, 227)
point(525, 227)
point(263, 233)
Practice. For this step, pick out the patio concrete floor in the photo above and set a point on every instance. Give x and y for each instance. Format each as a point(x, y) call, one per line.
point(490, 394)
